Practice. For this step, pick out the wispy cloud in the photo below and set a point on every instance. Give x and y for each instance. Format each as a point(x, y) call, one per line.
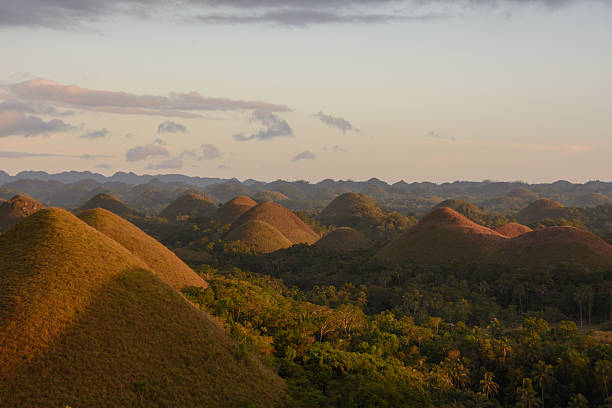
point(143, 152)
point(338, 149)
point(435, 135)
point(210, 151)
point(95, 134)
point(177, 104)
point(171, 127)
point(307, 155)
point(339, 123)
point(273, 127)
point(102, 166)
point(13, 123)
point(24, 155)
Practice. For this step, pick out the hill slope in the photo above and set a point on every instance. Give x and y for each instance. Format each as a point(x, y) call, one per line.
point(344, 239)
point(555, 245)
point(350, 210)
point(86, 324)
point(108, 202)
point(540, 209)
point(443, 237)
point(189, 205)
point(513, 229)
point(160, 259)
point(260, 236)
point(284, 220)
point(233, 209)
point(16, 209)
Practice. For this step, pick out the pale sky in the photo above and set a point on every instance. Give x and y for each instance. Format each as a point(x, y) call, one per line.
point(345, 89)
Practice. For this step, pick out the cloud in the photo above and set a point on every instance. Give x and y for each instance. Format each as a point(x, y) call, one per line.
point(210, 151)
point(224, 167)
point(160, 142)
point(143, 152)
point(307, 155)
point(71, 14)
point(273, 127)
point(19, 106)
point(25, 155)
point(338, 149)
point(14, 123)
point(102, 166)
point(171, 127)
point(95, 134)
point(176, 104)
point(435, 135)
point(175, 163)
point(338, 123)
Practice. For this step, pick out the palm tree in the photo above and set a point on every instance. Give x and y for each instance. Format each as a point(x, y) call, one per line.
point(488, 386)
point(543, 377)
point(527, 395)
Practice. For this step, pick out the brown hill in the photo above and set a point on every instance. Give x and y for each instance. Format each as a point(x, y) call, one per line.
point(344, 239)
point(539, 210)
point(16, 209)
point(273, 196)
point(443, 237)
point(229, 212)
point(512, 229)
point(351, 210)
point(85, 323)
point(284, 220)
point(189, 206)
point(108, 202)
point(522, 193)
point(473, 212)
point(160, 259)
point(260, 236)
point(552, 246)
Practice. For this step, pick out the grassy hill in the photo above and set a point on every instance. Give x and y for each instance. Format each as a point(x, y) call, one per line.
point(513, 229)
point(108, 202)
point(473, 212)
point(268, 195)
point(160, 259)
point(260, 236)
point(443, 237)
point(16, 209)
point(541, 209)
point(289, 224)
point(344, 239)
point(87, 324)
point(233, 209)
point(189, 206)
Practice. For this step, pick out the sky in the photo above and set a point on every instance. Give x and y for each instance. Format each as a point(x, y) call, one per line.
point(414, 90)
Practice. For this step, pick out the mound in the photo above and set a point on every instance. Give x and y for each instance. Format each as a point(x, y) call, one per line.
point(443, 237)
point(350, 210)
point(539, 210)
point(273, 196)
point(86, 324)
point(343, 240)
point(555, 245)
point(159, 259)
point(189, 205)
point(462, 207)
point(513, 229)
point(229, 212)
point(108, 202)
point(284, 220)
point(260, 236)
point(592, 200)
point(16, 209)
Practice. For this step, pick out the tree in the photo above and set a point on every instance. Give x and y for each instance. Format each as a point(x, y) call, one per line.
point(526, 395)
point(578, 401)
point(603, 369)
point(543, 377)
point(488, 386)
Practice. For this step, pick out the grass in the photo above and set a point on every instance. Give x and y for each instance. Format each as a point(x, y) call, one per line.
point(108, 202)
point(260, 236)
point(16, 209)
point(190, 205)
point(284, 220)
point(160, 259)
point(229, 212)
point(344, 239)
point(87, 324)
